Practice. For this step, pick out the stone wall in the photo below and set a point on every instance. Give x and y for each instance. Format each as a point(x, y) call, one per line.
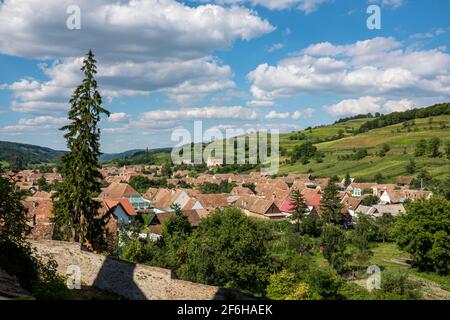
point(129, 280)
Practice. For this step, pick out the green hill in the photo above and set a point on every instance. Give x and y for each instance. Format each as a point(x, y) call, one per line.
point(20, 154)
point(354, 145)
point(134, 157)
point(401, 139)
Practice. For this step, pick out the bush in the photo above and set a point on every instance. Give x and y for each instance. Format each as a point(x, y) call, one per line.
point(396, 285)
point(145, 251)
point(280, 285)
point(324, 283)
point(301, 292)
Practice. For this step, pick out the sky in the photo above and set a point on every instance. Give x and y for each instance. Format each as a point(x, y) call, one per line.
point(248, 64)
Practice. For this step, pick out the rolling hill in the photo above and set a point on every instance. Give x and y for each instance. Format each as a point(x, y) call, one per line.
point(12, 152)
point(401, 140)
point(400, 131)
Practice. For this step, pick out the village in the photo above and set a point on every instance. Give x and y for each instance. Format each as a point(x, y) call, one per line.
point(258, 196)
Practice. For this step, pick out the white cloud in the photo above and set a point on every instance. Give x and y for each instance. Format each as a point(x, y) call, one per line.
point(305, 113)
point(296, 115)
point(142, 47)
point(368, 104)
point(260, 103)
point(307, 6)
point(274, 47)
point(181, 80)
point(233, 112)
point(375, 67)
point(253, 127)
point(398, 105)
point(125, 30)
point(272, 115)
point(119, 117)
point(37, 123)
point(308, 113)
point(362, 105)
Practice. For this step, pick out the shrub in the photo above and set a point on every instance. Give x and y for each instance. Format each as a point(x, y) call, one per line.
point(396, 285)
point(324, 283)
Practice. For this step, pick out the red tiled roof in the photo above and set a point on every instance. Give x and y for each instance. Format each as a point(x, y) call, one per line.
point(118, 190)
point(125, 203)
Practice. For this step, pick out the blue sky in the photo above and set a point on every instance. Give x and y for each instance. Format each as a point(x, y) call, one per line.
point(275, 64)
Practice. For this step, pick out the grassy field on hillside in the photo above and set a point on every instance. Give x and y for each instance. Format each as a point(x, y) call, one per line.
point(401, 140)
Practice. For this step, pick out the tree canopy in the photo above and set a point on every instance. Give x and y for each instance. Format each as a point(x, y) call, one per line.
point(423, 231)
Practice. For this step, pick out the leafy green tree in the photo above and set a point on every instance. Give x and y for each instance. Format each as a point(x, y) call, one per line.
point(378, 178)
point(250, 185)
point(43, 185)
point(385, 225)
point(304, 151)
point(12, 213)
point(423, 231)
point(298, 207)
point(370, 200)
point(324, 283)
point(310, 227)
point(334, 247)
point(423, 180)
point(142, 183)
point(360, 154)
point(447, 149)
point(144, 251)
point(442, 188)
point(421, 148)
point(362, 234)
point(397, 285)
point(385, 148)
point(433, 147)
point(178, 223)
point(411, 166)
point(17, 163)
point(229, 249)
point(213, 188)
point(75, 209)
point(330, 204)
point(17, 257)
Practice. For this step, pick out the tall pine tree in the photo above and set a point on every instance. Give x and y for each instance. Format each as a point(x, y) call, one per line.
point(75, 210)
point(330, 204)
point(298, 207)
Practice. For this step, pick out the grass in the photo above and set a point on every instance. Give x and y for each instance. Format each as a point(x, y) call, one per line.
point(402, 144)
point(432, 283)
point(387, 251)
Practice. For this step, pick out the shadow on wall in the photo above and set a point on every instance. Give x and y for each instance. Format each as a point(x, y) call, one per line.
point(110, 274)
